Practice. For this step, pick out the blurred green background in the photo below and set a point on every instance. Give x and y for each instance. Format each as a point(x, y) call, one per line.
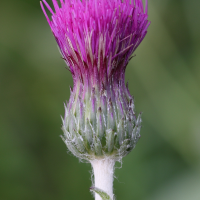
point(164, 77)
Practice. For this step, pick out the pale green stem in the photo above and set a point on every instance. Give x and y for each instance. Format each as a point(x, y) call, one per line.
point(103, 170)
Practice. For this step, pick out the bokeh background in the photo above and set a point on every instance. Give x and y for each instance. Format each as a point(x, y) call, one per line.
point(164, 77)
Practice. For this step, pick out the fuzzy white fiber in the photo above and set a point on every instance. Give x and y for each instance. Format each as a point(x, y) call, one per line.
point(103, 170)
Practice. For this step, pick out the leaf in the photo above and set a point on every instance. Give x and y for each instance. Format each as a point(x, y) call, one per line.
point(101, 193)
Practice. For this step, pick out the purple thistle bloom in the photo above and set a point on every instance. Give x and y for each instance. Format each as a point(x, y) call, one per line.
point(96, 39)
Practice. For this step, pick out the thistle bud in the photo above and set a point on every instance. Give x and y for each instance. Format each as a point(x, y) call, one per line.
point(96, 39)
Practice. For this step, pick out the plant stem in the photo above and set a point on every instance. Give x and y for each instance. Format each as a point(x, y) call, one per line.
point(103, 170)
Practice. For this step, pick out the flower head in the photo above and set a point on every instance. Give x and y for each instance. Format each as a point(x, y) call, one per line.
point(96, 39)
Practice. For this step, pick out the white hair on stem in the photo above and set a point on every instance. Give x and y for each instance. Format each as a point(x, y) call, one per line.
point(103, 170)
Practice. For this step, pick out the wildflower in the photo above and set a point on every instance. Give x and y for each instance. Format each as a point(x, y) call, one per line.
point(96, 39)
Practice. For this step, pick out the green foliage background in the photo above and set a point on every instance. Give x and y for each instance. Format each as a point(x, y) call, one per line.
point(164, 77)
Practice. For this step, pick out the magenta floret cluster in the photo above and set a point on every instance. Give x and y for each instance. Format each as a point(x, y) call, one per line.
point(97, 37)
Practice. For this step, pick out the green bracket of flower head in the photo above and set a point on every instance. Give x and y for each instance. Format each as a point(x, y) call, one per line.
point(101, 193)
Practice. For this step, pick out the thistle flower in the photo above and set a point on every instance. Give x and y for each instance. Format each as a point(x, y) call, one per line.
point(96, 39)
